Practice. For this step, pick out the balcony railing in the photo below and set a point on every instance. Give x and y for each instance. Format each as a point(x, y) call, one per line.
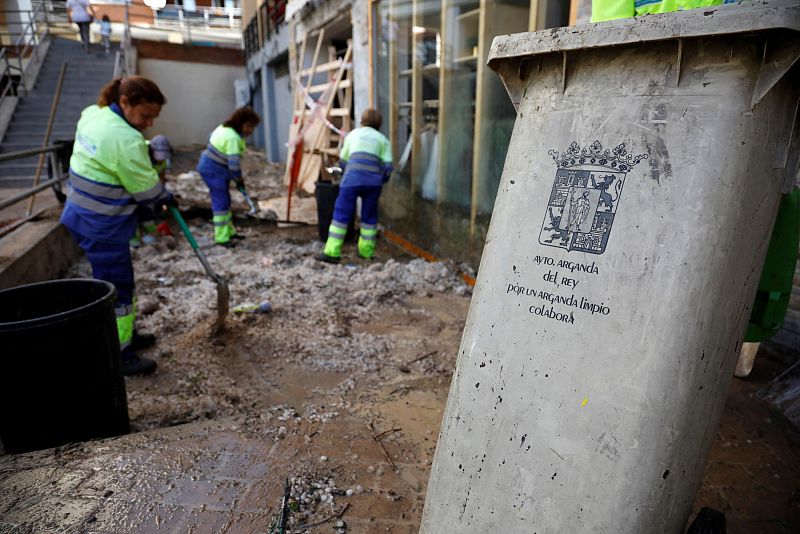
point(270, 19)
point(208, 17)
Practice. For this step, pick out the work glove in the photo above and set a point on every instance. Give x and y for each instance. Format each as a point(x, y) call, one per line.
point(387, 172)
point(167, 201)
point(239, 183)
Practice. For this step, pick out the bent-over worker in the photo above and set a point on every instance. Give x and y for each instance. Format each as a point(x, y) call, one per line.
point(110, 175)
point(366, 158)
point(220, 164)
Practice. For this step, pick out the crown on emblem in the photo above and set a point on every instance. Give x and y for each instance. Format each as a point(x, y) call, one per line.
point(618, 158)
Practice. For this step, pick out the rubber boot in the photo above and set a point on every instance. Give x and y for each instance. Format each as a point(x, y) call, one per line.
point(141, 341)
point(332, 253)
point(133, 364)
point(366, 241)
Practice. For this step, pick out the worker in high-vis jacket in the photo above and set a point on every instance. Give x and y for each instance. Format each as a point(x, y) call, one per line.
point(221, 163)
point(620, 9)
point(366, 158)
point(110, 175)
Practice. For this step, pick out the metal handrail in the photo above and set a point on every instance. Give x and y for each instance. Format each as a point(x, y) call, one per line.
point(8, 156)
point(32, 191)
point(26, 43)
point(9, 86)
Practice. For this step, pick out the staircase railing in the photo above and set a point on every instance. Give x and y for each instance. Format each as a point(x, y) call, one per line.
point(28, 30)
point(60, 175)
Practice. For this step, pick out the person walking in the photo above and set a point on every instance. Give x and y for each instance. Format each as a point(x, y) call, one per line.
point(220, 164)
point(81, 13)
point(366, 158)
point(105, 33)
point(110, 174)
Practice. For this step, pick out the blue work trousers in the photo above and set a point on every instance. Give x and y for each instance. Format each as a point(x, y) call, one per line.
point(345, 208)
point(110, 262)
point(217, 178)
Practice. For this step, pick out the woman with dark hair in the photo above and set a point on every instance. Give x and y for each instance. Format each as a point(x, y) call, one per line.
point(110, 175)
point(220, 163)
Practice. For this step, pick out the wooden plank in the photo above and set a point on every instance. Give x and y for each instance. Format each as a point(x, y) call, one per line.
point(448, 20)
point(335, 112)
point(327, 151)
point(295, 64)
point(573, 12)
point(496, 19)
point(311, 166)
point(301, 59)
point(314, 60)
point(416, 99)
point(325, 67)
point(321, 88)
point(371, 51)
point(533, 15)
point(348, 105)
point(301, 102)
point(393, 81)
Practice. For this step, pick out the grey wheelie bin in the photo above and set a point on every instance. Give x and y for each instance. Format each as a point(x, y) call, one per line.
point(644, 172)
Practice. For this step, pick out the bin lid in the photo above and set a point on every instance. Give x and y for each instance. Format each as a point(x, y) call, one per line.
point(746, 17)
point(508, 51)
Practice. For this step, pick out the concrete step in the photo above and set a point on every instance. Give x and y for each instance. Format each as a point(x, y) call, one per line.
point(76, 79)
point(85, 75)
point(35, 139)
point(87, 85)
point(38, 126)
point(17, 170)
point(34, 121)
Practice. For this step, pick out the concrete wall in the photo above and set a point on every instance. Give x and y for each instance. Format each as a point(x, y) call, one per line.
point(200, 96)
point(436, 228)
point(361, 81)
point(34, 252)
point(278, 114)
point(275, 94)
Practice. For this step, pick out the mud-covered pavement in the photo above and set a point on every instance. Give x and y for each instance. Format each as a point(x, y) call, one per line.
point(338, 389)
point(346, 352)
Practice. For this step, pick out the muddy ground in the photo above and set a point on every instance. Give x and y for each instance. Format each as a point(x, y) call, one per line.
point(339, 388)
point(342, 348)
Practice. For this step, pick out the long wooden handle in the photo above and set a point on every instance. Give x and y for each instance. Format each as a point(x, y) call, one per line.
point(51, 119)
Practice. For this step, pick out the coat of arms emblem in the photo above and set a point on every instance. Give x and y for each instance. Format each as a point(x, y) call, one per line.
point(585, 196)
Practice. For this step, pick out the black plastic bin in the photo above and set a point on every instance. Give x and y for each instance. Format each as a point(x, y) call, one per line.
point(61, 377)
point(326, 193)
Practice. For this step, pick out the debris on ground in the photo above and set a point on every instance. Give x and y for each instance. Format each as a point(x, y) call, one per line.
point(333, 377)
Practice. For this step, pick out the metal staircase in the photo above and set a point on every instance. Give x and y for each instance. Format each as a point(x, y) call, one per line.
point(85, 76)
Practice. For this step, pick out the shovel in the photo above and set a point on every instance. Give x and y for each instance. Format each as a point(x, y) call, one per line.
point(253, 208)
point(223, 293)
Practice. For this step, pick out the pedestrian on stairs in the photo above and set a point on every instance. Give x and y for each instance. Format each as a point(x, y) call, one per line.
point(220, 164)
point(81, 13)
point(366, 158)
point(105, 33)
point(110, 174)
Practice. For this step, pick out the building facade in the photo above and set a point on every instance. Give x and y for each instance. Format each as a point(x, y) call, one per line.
point(423, 64)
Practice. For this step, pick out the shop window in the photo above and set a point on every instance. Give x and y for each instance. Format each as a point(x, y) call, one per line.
point(447, 114)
